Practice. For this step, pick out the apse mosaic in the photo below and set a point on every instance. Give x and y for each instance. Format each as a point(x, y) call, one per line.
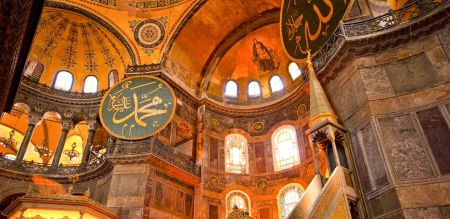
point(256, 57)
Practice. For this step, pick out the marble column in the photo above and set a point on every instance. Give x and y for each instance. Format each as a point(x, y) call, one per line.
point(66, 126)
point(33, 120)
point(87, 149)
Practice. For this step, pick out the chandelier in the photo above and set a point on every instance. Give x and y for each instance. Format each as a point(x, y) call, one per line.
point(43, 149)
point(72, 153)
point(10, 142)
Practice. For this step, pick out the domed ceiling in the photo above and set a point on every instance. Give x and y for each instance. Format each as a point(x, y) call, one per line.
point(71, 42)
point(256, 57)
point(199, 43)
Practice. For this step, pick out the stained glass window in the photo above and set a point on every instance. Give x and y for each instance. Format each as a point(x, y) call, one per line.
point(236, 153)
point(294, 70)
point(276, 84)
point(284, 141)
point(231, 89)
point(288, 197)
point(239, 199)
point(63, 81)
point(254, 90)
point(90, 84)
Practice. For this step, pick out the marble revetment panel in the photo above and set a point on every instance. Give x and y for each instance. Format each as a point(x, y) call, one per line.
point(213, 153)
point(444, 37)
point(411, 74)
point(374, 158)
point(213, 212)
point(361, 165)
point(438, 135)
point(260, 157)
point(405, 149)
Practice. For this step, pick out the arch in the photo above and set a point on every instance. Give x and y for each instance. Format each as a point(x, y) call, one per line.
point(113, 77)
point(287, 198)
point(63, 81)
point(34, 70)
point(6, 201)
point(231, 89)
point(236, 154)
point(122, 37)
point(276, 84)
point(238, 197)
point(254, 89)
point(90, 84)
point(285, 147)
point(294, 70)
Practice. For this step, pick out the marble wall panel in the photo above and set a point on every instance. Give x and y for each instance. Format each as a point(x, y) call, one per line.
point(422, 213)
point(221, 155)
point(438, 135)
point(213, 153)
point(444, 36)
point(411, 74)
point(128, 185)
point(347, 98)
point(260, 157)
point(445, 211)
point(373, 154)
point(265, 213)
point(188, 201)
point(376, 82)
point(213, 212)
point(159, 193)
point(179, 202)
point(169, 194)
point(405, 149)
point(361, 165)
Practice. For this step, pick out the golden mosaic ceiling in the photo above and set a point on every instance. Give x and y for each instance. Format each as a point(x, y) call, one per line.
point(182, 35)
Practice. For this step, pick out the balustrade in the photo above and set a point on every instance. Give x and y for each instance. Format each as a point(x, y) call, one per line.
point(157, 149)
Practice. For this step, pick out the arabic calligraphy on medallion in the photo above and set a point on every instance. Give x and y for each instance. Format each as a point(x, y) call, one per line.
point(137, 107)
point(308, 24)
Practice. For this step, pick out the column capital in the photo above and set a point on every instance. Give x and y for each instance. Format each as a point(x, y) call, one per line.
point(92, 124)
point(66, 125)
point(34, 119)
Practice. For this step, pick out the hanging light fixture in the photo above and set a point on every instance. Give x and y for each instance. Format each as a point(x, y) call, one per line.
point(43, 150)
point(10, 143)
point(72, 153)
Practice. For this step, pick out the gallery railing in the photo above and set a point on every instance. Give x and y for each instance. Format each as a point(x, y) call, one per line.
point(157, 149)
point(47, 169)
point(394, 18)
point(365, 28)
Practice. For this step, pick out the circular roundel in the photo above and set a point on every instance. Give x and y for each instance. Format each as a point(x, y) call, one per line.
point(149, 33)
point(137, 107)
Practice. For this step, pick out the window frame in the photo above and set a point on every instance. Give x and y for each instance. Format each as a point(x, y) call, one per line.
point(290, 74)
point(274, 147)
point(260, 89)
point(55, 78)
point(228, 153)
point(225, 89)
point(227, 197)
point(284, 190)
point(282, 84)
point(84, 84)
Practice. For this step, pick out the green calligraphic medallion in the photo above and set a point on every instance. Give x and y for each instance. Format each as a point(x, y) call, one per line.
point(309, 24)
point(137, 107)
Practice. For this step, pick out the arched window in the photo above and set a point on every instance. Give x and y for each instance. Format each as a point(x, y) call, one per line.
point(236, 154)
point(239, 199)
point(231, 89)
point(113, 78)
point(90, 84)
point(288, 197)
point(34, 70)
point(63, 81)
point(285, 147)
point(294, 70)
point(276, 84)
point(254, 89)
